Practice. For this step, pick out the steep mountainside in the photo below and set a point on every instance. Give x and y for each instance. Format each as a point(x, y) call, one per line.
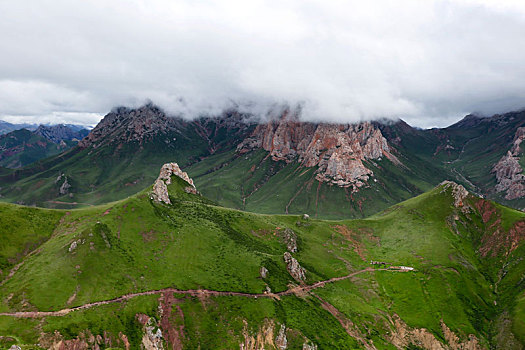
point(440, 271)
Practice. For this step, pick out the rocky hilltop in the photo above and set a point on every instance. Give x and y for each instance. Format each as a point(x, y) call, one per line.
point(508, 170)
point(124, 125)
point(338, 150)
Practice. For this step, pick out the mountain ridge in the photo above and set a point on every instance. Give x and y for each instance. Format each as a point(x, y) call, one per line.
point(379, 163)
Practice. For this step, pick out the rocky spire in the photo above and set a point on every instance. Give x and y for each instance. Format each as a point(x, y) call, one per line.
point(160, 187)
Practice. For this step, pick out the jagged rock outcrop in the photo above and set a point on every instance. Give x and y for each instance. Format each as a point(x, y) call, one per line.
point(293, 267)
point(307, 346)
point(152, 338)
point(160, 187)
point(508, 171)
point(280, 341)
point(402, 336)
point(64, 188)
point(263, 272)
point(459, 193)
point(262, 340)
point(290, 239)
point(338, 150)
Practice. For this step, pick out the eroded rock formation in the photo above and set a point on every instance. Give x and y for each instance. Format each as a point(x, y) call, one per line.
point(459, 193)
point(508, 171)
point(263, 339)
point(296, 270)
point(290, 239)
point(152, 338)
point(402, 336)
point(280, 341)
point(338, 150)
point(160, 187)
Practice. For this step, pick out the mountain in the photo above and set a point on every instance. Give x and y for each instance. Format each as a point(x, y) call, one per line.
point(484, 153)
point(22, 147)
point(282, 166)
point(60, 132)
point(167, 268)
point(120, 157)
point(6, 127)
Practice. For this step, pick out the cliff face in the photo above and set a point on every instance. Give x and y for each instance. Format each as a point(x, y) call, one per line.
point(508, 171)
point(338, 150)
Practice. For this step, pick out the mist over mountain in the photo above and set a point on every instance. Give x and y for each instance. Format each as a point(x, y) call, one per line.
point(428, 62)
point(284, 175)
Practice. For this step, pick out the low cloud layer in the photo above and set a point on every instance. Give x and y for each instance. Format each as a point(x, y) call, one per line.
point(428, 62)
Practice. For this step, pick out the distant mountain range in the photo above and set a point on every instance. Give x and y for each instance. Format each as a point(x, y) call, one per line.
point(280, 166)
point(21, 147)
point(6, 127)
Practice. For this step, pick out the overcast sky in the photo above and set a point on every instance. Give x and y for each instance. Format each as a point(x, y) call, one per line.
point(427, 62)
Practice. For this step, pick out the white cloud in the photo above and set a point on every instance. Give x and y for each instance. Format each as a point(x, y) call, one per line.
point(429, 62)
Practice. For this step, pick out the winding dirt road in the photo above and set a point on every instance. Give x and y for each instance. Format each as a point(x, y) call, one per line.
point(298, 290)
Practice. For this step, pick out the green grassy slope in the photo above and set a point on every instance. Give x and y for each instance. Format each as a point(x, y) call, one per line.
point(254, 182)
point(467, 274)
point(97, 175)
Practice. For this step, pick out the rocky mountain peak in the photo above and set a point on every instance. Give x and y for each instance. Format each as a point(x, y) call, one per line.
point(130, 125)
point(160, 187)
point(338, 150)
point(60, 132)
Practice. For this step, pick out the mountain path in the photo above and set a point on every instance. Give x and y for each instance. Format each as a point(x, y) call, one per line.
point(298, 290)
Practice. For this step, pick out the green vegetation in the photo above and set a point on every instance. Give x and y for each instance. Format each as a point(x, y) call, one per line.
point(136, 245)
point(254, 182)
